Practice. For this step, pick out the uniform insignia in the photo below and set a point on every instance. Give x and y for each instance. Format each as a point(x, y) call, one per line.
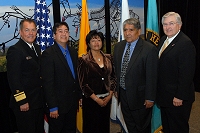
point(28, 57)
point(20, 96)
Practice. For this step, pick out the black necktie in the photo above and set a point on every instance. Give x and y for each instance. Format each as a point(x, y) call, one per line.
point(32, 48)
point(124, 66)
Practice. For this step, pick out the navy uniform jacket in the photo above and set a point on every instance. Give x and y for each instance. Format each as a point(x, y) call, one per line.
point(23, 70)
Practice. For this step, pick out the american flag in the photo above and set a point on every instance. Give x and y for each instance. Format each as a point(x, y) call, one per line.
point(44, 33)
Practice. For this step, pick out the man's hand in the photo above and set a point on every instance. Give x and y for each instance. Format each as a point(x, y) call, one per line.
point(177, 102)
point(54, 114)
point(24, 107)
point(148, 103)
point(80, 102)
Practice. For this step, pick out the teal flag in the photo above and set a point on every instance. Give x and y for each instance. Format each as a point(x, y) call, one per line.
point(152, 31)
point(152, 35)
point(156, 125)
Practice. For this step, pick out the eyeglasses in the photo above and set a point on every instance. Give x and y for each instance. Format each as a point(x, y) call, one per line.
point(169, 24)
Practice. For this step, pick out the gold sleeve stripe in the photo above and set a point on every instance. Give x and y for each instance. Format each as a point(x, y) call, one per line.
point(20, 96)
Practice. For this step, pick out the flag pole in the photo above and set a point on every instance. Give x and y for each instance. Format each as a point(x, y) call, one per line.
point(56, 11)
point(107, 20)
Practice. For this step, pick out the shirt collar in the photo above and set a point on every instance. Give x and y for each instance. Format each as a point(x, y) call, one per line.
point(30, 45)
point(172, 38)
point(133, 43)
point(64, 51)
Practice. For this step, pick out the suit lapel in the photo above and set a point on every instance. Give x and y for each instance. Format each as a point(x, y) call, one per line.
point(121, 51)
point(135, 54)
point(171, 45)
point(61, 57)
point(74, 60)
point(28, 51)
point(37, 49)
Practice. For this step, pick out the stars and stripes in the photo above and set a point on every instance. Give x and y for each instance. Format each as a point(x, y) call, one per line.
point(44, 33)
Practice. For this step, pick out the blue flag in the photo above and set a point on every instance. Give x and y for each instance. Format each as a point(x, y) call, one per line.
point(44, 33)
point(152, 31)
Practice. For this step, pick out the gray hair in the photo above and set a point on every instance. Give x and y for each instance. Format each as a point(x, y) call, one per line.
point(176, 15)
point(132, 21)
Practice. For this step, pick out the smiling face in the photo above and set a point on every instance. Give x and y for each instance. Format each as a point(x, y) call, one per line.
point(28, 32)
point(131, 33)
point(170, 26)
point(95, 43)
point(62, 35)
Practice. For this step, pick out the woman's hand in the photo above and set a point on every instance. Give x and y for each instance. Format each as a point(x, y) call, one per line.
point(100, 102)
point(107, 99)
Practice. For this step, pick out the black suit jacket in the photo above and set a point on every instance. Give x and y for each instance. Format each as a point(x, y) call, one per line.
point(176, 71)
point(60, 88)
point(23, 69)
point(141, 75)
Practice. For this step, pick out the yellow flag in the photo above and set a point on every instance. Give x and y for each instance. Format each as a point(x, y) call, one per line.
point(84, 29)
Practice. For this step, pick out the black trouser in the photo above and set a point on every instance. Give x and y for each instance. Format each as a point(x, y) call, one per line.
point(137, 121)
point(175, 119)
point(65, 123)
point(31, 121)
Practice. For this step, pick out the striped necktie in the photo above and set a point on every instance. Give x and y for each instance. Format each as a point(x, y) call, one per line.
point(124, 66)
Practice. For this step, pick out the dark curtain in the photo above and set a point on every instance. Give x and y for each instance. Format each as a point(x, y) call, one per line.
point(7, 118)
point(189, 11)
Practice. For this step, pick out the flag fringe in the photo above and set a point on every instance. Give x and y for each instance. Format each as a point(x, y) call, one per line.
point(149, 30)
point(159, 130)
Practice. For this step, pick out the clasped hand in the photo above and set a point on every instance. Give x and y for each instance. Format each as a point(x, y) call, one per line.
point(103, 102)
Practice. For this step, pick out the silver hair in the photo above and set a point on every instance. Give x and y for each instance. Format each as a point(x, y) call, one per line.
point(132, 21)
point(176, 15)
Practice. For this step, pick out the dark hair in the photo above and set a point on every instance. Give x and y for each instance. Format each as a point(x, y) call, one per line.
point(26, 20)
point(94, 34)
point(56, 25)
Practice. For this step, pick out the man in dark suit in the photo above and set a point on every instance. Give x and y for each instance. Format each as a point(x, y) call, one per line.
point(175, 76)
point(136, 87)
point(60, 82)
point(23, 69)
